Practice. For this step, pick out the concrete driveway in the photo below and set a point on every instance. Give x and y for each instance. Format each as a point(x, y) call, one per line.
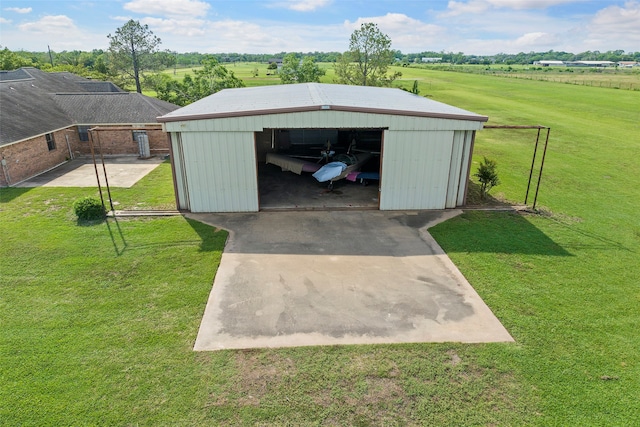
point(341, 277)
point(122, 171)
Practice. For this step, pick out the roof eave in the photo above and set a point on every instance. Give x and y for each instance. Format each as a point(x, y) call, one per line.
point(424, 114)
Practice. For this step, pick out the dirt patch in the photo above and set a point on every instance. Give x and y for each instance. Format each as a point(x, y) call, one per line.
point(455, 359)
point(259, 374)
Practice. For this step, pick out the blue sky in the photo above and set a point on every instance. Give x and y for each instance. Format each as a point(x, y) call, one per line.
point(481, 27)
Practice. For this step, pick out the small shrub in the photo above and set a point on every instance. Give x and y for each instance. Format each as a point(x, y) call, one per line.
point(488, 176)
point(414, 89)
point(89, 209)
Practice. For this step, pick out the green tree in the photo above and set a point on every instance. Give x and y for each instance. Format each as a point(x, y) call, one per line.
point(211, 78)
point(11, 61)
point(488, 176)
point(132, 51)
point(368, 58)
point(295, 70)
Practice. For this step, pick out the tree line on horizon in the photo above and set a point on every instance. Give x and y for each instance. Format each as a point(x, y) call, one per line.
point(95, 60)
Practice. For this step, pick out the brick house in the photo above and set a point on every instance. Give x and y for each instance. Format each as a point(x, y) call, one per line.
point(45, 120)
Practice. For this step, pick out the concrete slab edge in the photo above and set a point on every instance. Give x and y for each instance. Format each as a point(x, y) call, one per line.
point(121, 214)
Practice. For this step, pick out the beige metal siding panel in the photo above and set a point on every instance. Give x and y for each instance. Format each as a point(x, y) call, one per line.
point(221, 171)
point(415, 170)
point(180, 172)
point(454, 169)
point(467, 152)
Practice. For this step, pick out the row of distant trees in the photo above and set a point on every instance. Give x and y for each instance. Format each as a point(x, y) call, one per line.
point(521, 58)
point(96, 60)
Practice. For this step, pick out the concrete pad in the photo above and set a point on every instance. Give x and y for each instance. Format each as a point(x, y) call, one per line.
point(350, 277)
point(122, 171)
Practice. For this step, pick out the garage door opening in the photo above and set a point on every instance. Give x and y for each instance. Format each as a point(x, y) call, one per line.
point(288, 158)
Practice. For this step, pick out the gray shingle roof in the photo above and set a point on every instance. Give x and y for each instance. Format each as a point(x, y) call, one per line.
point(99, 87)
point(27, 111)
point(316, 96)
point(33, 102)
point(19, 74)
point(119, 107)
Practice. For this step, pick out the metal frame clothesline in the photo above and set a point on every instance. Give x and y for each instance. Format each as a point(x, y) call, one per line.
point(92, 141)
point(533, 159)
point(104, 168)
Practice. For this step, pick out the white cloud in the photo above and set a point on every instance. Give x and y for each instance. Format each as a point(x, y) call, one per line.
point(302, 5)
point(405, 32)
point(19, 9)
point(58, 31)
point(51, 24)
point(625, 18)
point(5, 21)
point(456, 8)
point(307, 5)
point(249, 37)
point(182, 27)
point(536, 41)
point(529, 4)
point(121, 18)
point(169, 8)
point(615, 26)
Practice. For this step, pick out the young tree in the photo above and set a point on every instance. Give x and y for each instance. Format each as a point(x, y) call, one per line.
point(368, 58)
point(132, 51)
point(296, 71)
point(488, 176)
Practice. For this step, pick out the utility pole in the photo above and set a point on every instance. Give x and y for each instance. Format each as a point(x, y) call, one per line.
point(50, 56)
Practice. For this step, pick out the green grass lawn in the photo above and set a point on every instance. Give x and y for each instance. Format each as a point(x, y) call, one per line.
point(98, 320)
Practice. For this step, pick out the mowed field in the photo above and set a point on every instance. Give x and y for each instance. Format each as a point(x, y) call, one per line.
point(99, 320)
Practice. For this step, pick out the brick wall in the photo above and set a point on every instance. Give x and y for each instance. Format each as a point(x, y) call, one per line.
point(31, 157)
point(158, 141)
point(119, 140)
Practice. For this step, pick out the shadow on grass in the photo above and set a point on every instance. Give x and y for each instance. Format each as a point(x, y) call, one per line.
point(495, 232)
point(117, 237)
point(211, 239)
point(474, 197)
point(9, 193)
point(590, 240)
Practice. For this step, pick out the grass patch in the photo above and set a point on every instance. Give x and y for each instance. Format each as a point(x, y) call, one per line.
point(98, 321)
point(155, 191)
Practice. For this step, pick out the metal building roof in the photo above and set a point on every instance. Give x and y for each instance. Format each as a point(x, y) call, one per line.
point(316, 96)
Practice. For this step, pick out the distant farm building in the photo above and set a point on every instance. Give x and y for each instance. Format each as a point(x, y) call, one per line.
point(549, 63)
point(591, 64)
point(552, 63)
point(431, 59)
